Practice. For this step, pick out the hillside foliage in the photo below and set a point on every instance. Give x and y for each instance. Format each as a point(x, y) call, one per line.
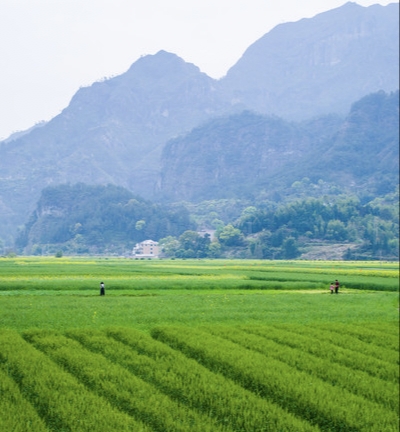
point(287, 230)
point(83, 219)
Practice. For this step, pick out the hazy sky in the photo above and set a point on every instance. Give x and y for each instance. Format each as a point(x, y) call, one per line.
point(50, 48)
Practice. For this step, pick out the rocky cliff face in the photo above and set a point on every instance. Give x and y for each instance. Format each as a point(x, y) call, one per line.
point(319, 65)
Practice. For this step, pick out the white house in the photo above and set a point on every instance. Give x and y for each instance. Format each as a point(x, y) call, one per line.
point(146, 249)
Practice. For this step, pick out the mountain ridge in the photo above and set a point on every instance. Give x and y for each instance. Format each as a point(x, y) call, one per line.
point(346, 40)
point(114, 131)
point(246, 154)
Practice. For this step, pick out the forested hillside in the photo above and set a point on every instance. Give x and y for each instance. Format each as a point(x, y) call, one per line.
point(251, 155)
point(83, 219)
point(329, 227)
point(97, 219)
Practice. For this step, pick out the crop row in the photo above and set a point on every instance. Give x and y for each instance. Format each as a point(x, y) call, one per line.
point(126, 391)
point(308, 397)
point(222, 379)
point(186, 381)
point(381, 346)
point(307, 340)
point(391, 329)
point(380, 341)
point(16, 413)
point(71, 386)
point(355, 281)
point(354, 381)
point(60, 400)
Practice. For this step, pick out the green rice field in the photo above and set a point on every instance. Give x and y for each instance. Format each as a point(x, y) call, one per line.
point(198, 345)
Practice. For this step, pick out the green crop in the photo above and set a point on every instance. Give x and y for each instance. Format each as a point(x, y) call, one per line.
point(198, 345)
point(323, 404)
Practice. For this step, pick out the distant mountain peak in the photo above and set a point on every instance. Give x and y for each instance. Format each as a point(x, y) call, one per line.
point(161, 64)
point(319, 65)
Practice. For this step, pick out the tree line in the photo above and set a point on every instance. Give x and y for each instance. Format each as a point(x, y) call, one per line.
point(282, 232)
point(79, 219)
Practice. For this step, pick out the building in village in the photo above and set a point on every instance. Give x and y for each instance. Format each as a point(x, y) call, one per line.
point(146, 249)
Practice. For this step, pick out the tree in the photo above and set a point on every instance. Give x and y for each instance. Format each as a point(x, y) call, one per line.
point(214, 250)
point(169, 246)
point(230, 236)
point(140, 225)
point(217, 223)
point(188, 240)
point(336, 230)
point(193, 245)
point(289, 248)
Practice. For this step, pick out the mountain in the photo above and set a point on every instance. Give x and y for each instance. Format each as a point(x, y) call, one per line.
point(248, 154)
point(319, 65)
point(365, 150)
point(114, 131)
point(230, 156)
point(111, 132)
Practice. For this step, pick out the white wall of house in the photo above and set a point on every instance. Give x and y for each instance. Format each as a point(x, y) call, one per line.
point(146, 249)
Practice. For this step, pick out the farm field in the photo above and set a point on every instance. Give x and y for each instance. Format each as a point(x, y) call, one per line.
point(198, 345)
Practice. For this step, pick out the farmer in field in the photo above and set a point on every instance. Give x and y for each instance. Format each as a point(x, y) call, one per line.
point(332, 287)
point(102, 289)
point(337, 284)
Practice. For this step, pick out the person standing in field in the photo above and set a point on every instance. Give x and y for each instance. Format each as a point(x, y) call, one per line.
point(337, 284)
point(332, 287)
point(102, 289)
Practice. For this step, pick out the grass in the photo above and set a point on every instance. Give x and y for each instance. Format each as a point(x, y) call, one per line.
point(144, 311)
point(63, 293)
